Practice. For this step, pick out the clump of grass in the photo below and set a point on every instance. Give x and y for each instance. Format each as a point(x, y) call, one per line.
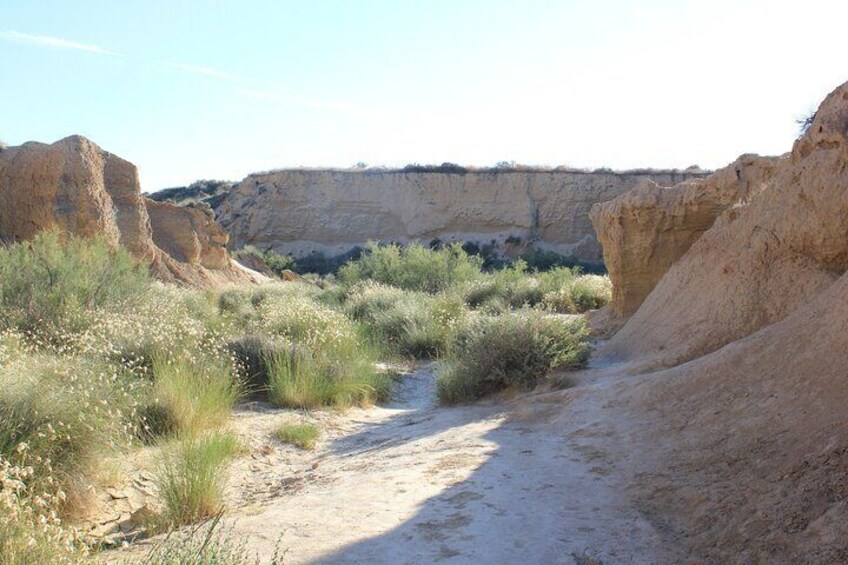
point(190, 477)
point(513, 350)
point(304, 436)
point(60, 416)
point(191, 397)
point(298, 380)
point(30, 528)
point(205, 544)
point(413, 267)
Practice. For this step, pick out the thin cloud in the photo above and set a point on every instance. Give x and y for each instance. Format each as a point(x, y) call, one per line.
point(201, 70)
point(48, 41)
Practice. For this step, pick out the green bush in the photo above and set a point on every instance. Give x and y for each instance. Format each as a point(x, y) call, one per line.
point(275, 261)
point(52, 286)
point(413, 267)
point(190, 478)
point(304, 436)
point(190, 397)
point(404, 322)
point(513, 350)
point(590, 292)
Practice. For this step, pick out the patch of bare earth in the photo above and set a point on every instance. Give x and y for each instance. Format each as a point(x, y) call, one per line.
point(528, 480)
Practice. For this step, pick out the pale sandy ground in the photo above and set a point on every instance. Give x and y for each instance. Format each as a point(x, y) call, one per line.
point(528, 480)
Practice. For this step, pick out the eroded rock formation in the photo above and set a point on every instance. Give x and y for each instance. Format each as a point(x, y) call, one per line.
point(744, 455)
point(646, 230)
point(76, 187)
point(330, 211)
point(759, 261)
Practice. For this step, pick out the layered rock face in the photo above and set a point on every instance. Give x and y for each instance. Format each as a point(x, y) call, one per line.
point(748, 424)
point(302, 211)
point(646, 230)
point(76, 187)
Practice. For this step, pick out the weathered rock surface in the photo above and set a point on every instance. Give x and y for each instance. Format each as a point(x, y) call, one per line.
point(758, 262)
point(189, 234)
point(742, 443)
point(76, 187)
point(330, 211)
point(646, 230)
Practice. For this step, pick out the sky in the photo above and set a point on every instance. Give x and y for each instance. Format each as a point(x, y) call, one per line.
point(192, 90)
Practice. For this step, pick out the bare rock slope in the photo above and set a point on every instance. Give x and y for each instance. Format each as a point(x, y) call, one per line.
point(330, 211)
point(78, 188)
point(743, 444)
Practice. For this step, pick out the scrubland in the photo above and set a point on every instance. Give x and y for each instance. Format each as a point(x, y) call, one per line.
point(97, 360)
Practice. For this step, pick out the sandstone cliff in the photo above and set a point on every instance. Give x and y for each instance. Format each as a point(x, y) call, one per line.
point(646, 230)
point(744, 439)
point(330, 211)
point(759, 261)
point(76, 187)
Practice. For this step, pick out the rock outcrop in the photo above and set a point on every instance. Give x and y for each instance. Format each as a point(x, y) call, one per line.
point(299, 212)
point(189, 234)
point(746, 422)
point(646, 230)
point(77, 188)
point(759, 261)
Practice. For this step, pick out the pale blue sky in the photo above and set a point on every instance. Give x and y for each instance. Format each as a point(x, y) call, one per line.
point(219, 89)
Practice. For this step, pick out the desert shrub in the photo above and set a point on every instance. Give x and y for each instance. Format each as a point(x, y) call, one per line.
point(446, 167)
point(559, 301)
point(590, 292)
point(234, 300)
point(251, 353)
point(513, 350)
point(191, 397)
point(30, 528)
point(509, 287)
point(542, 260)
point(413, 267)
point(304, 436)
point(190, 477)
point(49, 284)
point(170, 323)
point(320, 264)
point(404, 322)
point(60, 415)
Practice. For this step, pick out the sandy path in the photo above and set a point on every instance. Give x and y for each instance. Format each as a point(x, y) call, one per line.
point(527, 481)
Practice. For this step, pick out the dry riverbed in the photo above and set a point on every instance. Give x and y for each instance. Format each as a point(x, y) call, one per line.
point(535, 479)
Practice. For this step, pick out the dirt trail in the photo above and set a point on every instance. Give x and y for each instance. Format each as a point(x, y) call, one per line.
point(526, 481)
